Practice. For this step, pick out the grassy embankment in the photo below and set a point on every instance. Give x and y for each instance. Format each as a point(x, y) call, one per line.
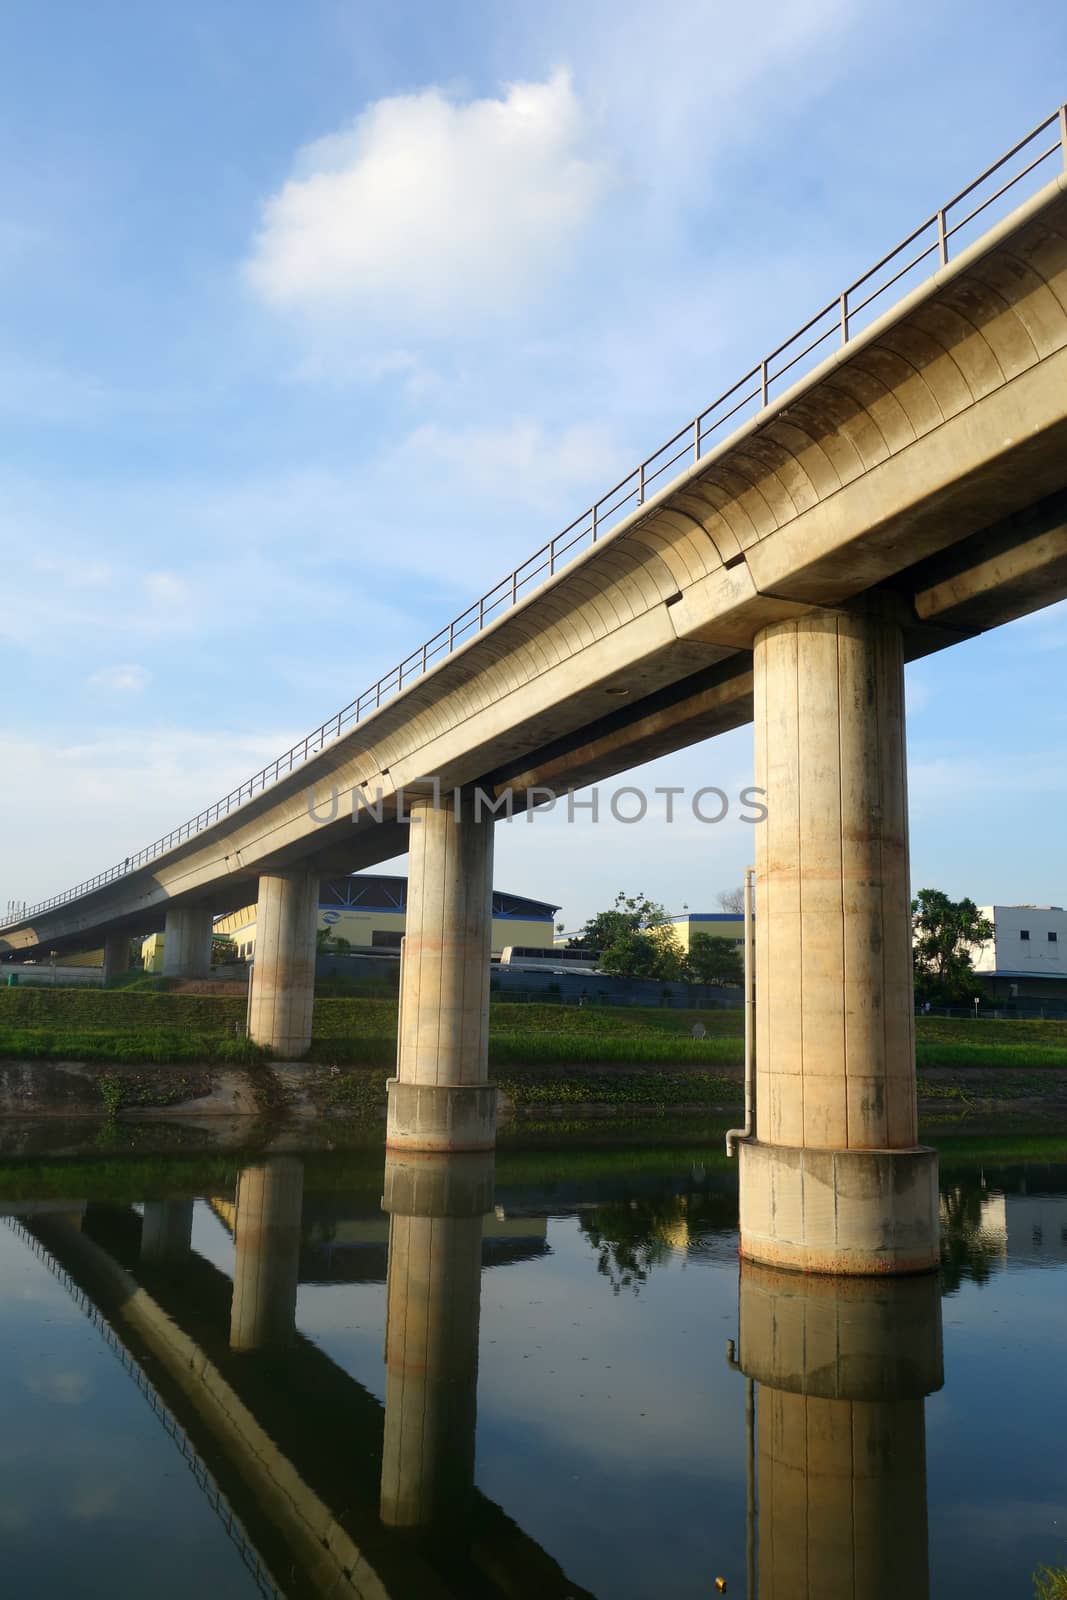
point(540, 1053)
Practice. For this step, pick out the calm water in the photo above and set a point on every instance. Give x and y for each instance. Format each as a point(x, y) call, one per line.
point(551, 1383)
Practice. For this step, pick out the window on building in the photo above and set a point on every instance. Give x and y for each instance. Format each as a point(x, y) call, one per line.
point(386, 938)
point(1024, 933)
point(1053, 938)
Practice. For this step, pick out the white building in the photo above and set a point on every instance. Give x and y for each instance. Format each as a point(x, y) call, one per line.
point(1026, 959)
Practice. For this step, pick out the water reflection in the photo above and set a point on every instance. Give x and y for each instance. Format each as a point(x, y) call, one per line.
point(995, 1217)
point(324, 1489)
point(166, 1231)
point(321, 1491)
point(266, 1270)
point(842, 1368)
point(436, 1204)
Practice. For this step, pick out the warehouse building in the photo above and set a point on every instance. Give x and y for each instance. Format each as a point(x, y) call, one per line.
point(1026, 958)
point(369, 910)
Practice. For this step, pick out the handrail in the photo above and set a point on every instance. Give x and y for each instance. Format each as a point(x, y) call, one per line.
point(839, 316)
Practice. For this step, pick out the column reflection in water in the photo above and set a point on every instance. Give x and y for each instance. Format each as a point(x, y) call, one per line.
point(436, 1205)
point(166, 1231)
point(843, 1366)
point(266, 1265)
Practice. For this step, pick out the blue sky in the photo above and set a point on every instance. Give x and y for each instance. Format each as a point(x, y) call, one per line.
point(277, 399)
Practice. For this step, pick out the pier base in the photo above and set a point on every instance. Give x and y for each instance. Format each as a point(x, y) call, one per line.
point(856, 1212)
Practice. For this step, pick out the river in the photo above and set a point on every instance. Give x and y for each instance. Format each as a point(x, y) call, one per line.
point(240, 1375)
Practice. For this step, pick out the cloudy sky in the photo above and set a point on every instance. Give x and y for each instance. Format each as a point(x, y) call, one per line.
point(318, 318)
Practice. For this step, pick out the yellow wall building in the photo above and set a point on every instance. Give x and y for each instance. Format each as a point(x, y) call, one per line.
point(717, 924)
point(370, 911)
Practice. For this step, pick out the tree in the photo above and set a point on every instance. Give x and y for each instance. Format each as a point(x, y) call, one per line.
point(645, 953)
point(630, 914)
point(732, 900)
point(714, 960)
point(945, 933)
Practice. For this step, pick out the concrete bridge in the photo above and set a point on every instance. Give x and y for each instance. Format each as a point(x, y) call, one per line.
point(907, 492)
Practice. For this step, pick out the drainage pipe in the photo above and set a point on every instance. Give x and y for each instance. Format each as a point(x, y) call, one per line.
point(734, 1134)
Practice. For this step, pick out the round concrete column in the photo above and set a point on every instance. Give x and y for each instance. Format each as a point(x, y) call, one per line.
point(283, 974)
point(266, 1265)
point(835, 1180)
point(187, 942)
point(843, 1366)
point(440, 1098)
point(431, 1342)
point(116, 955)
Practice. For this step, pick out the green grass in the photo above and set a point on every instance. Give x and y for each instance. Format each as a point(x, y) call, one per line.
point(160, 1046)
point(135, 1024)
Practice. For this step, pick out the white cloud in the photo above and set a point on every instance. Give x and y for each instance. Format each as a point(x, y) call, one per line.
point(64, 1387)
point(425, 210)
point(78, 807)
point(521, 459)
point(167, 588)
point(129, 678)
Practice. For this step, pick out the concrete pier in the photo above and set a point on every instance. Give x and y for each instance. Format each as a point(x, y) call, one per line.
point(436, 1205)
point(842, 1366)
point(441, 1098)
point(187, 942)
point(283, 974)
point(266, 1266)
point(166, 1231)
point(835, 1180)
point(116, 955)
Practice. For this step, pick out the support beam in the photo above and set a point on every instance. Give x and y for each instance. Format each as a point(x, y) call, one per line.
point(116, 955)
point(835, 1180)
point(441, 1098)
point(187, 942)
point(266, 1265)
point(843, 1367)
point(283, 973)
point(436, 1205)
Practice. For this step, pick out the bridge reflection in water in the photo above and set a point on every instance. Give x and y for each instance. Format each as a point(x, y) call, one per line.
point(841, 1368)
point(324, 1492)
point(321, 1491)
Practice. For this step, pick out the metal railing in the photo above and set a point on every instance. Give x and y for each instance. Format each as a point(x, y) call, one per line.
point(837, 322)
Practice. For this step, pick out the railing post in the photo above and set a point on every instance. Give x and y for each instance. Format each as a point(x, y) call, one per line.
point(515, 586)
point(481, 613)
point(844, 318)
point(942, 237)
point(641, 484)
point(763, 382)
point(1063, 133)
point(551, 558)
point(696, 438)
